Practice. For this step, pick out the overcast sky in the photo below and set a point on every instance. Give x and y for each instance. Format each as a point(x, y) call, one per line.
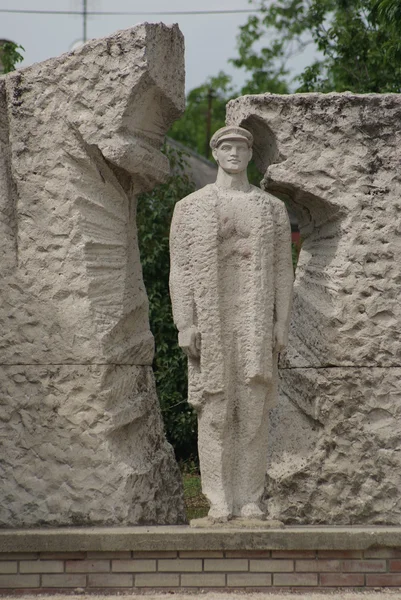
point(210, 39)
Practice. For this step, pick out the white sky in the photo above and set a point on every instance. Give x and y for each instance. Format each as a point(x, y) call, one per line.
point(210, 39)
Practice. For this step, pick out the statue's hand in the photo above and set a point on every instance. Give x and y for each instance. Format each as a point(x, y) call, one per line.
point(189, 340)
point(280, 337)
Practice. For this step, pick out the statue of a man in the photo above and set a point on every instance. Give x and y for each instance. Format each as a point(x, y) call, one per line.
point(231, 287)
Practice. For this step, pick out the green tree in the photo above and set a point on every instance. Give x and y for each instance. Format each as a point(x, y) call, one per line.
point(205, 113)
point(154, 213)
point(9, 56)
point(357, 40)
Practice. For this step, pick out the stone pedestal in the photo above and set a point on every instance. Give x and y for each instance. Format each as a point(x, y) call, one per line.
point(335, 437)
point(82, 439)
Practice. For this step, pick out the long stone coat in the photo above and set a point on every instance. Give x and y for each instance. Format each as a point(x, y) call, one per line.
point(194, 285)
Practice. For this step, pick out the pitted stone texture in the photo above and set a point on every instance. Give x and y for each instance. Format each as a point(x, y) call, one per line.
point(84, 445)
point(335, 157)
point(79, 139)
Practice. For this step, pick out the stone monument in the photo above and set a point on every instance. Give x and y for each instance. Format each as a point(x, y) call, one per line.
point(231, 286)
point(335, 453)
point(82, 440)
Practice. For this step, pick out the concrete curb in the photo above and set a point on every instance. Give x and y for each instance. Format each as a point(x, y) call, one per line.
point(165, 538)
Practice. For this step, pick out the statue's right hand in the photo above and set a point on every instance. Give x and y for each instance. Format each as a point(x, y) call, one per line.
point(189, 341)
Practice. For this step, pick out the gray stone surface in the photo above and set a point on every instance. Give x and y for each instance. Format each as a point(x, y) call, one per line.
point(163, 538)
point(231, 288)
point(335, 435)
point(82, 439)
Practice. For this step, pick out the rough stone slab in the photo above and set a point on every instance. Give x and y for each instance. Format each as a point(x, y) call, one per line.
point(185, 538)
point(334, 436)
point(82, 438)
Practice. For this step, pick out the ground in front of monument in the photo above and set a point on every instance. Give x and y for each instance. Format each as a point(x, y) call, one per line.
point(383, 594)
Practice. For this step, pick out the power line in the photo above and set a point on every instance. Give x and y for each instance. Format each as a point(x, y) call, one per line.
point(123, 13)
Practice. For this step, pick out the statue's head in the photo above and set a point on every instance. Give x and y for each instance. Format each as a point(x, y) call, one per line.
point(232, 148)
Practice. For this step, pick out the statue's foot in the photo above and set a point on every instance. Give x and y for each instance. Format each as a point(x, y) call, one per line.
point(219, 514)
point(251, 511)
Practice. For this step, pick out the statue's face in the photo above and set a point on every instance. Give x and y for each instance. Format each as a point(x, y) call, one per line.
point(233, 155)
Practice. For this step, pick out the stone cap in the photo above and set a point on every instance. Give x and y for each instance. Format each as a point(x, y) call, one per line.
point(164, 538)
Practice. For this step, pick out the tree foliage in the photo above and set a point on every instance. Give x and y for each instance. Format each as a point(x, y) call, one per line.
point(192, 129)
point(10, 56)
point(358, 43)
point(154, 213)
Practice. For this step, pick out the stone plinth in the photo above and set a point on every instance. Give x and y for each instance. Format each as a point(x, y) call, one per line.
point(335, 444)
point(82, 439)
point(123, 559)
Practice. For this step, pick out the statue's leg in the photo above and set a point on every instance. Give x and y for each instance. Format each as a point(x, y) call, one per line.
point(250, 449)
point(215, 456)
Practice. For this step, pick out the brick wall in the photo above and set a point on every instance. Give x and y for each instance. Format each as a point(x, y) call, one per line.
point(45, 571)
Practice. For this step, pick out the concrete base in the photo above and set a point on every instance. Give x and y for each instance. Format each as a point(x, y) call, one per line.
point(183, 558)
point(165, 538)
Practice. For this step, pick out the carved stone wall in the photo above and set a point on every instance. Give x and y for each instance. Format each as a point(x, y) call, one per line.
point(335, 438)
point(81, 436)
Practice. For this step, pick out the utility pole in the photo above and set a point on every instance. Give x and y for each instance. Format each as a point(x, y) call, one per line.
point(84, 17)
point(209, 121)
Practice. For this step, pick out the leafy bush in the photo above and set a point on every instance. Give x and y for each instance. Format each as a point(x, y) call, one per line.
point(155, 210)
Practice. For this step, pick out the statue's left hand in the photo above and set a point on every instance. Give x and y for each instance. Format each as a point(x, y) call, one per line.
point(189, 340)
point(280, 337)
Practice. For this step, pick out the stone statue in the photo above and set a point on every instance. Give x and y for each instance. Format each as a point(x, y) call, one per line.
point(231, 287)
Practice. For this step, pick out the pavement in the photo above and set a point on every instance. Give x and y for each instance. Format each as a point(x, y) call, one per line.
point(388, 594)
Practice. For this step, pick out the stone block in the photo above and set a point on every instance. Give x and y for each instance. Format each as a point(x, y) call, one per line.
point(334, 435)
point(79, 418)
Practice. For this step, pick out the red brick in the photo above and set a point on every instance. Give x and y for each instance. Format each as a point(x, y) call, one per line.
point(341, 554)
point(383, 553)
point(313, 566)
point(294, 579)
point(342, 579)
point(363, 566)
point(293, 553)
point(395, 565)
point(383, 580)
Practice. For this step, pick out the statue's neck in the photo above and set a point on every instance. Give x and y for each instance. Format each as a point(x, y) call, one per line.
point(233, 181)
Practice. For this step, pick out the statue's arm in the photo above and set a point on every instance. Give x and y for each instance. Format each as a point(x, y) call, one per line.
point(284, 276)
point(181, 280)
